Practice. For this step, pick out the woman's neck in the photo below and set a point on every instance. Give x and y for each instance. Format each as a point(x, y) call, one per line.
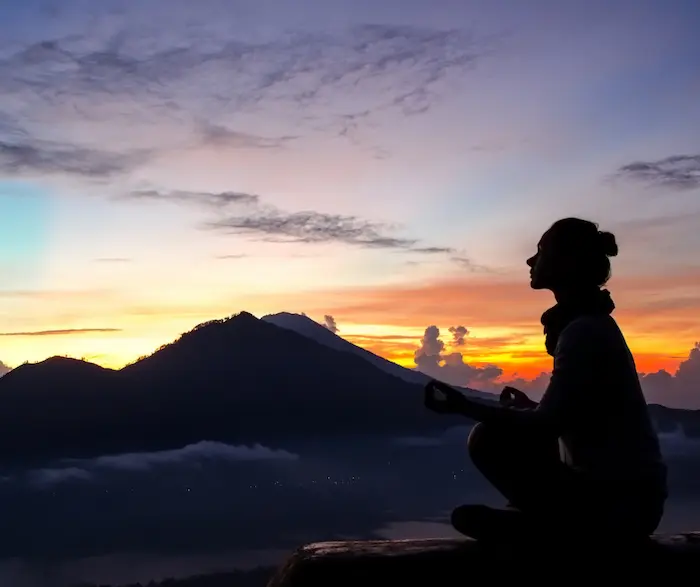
point(568, 295)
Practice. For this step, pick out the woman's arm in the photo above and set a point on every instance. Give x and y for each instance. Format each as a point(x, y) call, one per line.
point(504, 416)
point(576, 364)
point(455, 402)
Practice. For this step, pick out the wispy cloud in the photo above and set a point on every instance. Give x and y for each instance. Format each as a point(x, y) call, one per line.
point(433, 250)
point(133, 77)
point(149, 94)
point(270, 224)
point(678, 172)
point(33, 156)
point(61, 332)
point(216, 200)
point(470, 265)
point(275, 225)
point(298, 66)
point(220, 136)
point(231, 256)
point(113, 260)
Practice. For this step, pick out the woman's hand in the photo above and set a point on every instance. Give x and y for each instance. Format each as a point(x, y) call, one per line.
point(443, 399)
point(514, 398)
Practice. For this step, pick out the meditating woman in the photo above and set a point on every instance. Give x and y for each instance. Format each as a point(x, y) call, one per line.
point(587, 456)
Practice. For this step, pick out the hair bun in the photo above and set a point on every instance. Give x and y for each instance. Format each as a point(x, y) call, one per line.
point(608, 243)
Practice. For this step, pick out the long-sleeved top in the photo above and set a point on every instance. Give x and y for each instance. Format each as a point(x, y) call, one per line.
point(594, 403)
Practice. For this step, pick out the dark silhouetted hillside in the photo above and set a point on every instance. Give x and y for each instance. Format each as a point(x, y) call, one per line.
point(238, 380)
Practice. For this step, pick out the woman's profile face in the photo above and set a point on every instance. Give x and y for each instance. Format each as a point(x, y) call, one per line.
point(543, 264)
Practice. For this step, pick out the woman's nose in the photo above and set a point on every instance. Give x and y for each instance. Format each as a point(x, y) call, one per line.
point(531, 262)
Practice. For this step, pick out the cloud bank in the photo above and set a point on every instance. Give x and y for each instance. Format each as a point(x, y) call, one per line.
point(431, 359)
point(69, 470)
point(680, 389)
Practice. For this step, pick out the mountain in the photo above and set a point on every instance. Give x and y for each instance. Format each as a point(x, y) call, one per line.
point(304, 325)
point(310, 328)
point(237, 380)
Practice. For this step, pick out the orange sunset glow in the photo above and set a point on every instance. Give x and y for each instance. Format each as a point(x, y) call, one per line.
point(405, 190)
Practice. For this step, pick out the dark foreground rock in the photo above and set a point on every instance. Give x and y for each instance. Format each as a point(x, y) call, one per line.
point(448, 562)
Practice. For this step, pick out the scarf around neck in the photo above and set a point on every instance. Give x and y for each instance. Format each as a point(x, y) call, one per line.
point(559, 316)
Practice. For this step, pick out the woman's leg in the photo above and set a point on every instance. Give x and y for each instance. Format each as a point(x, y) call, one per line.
point(527, 470)
point(524, 468)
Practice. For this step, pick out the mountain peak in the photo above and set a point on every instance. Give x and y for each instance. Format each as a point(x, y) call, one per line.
point(58, 362)
point(54, 369)
point(244, 315)
point(291, 320)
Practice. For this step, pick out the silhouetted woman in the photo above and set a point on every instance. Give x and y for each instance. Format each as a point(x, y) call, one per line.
point(586, 457)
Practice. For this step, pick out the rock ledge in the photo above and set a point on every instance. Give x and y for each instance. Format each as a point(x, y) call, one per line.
point(448, 562)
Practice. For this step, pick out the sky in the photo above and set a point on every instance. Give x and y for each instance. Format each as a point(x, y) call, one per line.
point(390, 164)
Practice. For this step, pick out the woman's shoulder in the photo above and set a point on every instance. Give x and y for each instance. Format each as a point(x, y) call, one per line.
point(591, 328)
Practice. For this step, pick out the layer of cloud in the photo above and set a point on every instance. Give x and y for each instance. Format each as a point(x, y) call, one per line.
point(70, 470)
point(51, 477)
point(678, 172)
point(126, 75)
point(267, 223)
point(205, 450)
point(679, 389)
point(61, 332)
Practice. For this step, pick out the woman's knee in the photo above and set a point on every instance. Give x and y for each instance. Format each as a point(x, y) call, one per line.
point(484, 442)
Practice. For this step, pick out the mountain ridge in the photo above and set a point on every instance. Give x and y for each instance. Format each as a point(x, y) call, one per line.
point(214, 382)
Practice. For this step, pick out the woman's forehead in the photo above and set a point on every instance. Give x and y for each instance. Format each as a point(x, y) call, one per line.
point(545, 238)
